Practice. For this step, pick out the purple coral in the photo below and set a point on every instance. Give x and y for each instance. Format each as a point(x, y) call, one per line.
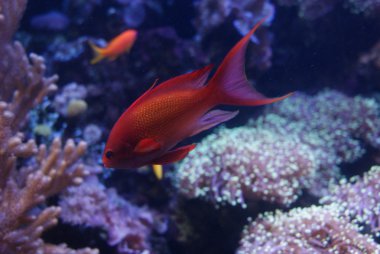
point(360, 198)
point(305, 230)
point(29, 174)
point(93, 205)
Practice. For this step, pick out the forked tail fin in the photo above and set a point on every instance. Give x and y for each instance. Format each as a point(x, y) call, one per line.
point(98, 53)
point(230, 83)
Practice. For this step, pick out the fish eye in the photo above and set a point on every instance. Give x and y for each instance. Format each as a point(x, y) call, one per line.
point(109, 154)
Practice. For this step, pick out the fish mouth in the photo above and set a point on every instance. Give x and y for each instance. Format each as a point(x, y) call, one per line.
point(105, 163)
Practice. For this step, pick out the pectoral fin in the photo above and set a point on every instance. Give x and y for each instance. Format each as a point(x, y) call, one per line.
point(174, 155)
point(211, 119)
point(147, 145)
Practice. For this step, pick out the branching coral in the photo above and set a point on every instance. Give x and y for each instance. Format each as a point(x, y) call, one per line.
point(298, 144)
point(305, 230)
point(28, 173)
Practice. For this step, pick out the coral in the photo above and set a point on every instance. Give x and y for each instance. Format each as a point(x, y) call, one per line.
point(240, 164)
point(213, 14)
point(70, 102)
point(92, 134)
point(334, 125)
point(360, 198)
point(305, 230)
point(340, 119)
point(314, 9)
point(297, 144)
point(93, 205)
point(64, 52)
point(29, 174)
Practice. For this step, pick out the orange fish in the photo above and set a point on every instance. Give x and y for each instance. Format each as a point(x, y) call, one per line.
point(147, 132)
point(117, 46)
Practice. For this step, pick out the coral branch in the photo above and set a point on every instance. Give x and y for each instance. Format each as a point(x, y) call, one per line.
point(28, 174)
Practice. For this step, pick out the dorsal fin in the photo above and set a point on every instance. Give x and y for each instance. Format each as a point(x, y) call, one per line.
point(194, 79)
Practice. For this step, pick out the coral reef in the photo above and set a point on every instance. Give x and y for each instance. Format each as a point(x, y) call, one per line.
point(292, 155)
point(298, 144)
point(29, 174)
point(305, 230)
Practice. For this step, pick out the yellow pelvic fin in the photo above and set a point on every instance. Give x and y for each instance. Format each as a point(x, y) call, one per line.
point(98, 53)
point(158, 171)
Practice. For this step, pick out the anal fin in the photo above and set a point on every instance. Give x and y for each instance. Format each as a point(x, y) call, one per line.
point(213, 118)
point(174, 155)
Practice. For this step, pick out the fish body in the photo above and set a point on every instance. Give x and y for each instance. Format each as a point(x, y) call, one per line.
point(117, 46)
point(147, 132)
point(165, 118)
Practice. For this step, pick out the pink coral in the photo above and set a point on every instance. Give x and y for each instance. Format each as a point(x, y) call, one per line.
point(29, 174)
point(305, 230)
point(360, 198)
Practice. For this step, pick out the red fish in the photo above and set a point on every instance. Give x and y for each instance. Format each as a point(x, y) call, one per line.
point(148, 131)
point(117, 46)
